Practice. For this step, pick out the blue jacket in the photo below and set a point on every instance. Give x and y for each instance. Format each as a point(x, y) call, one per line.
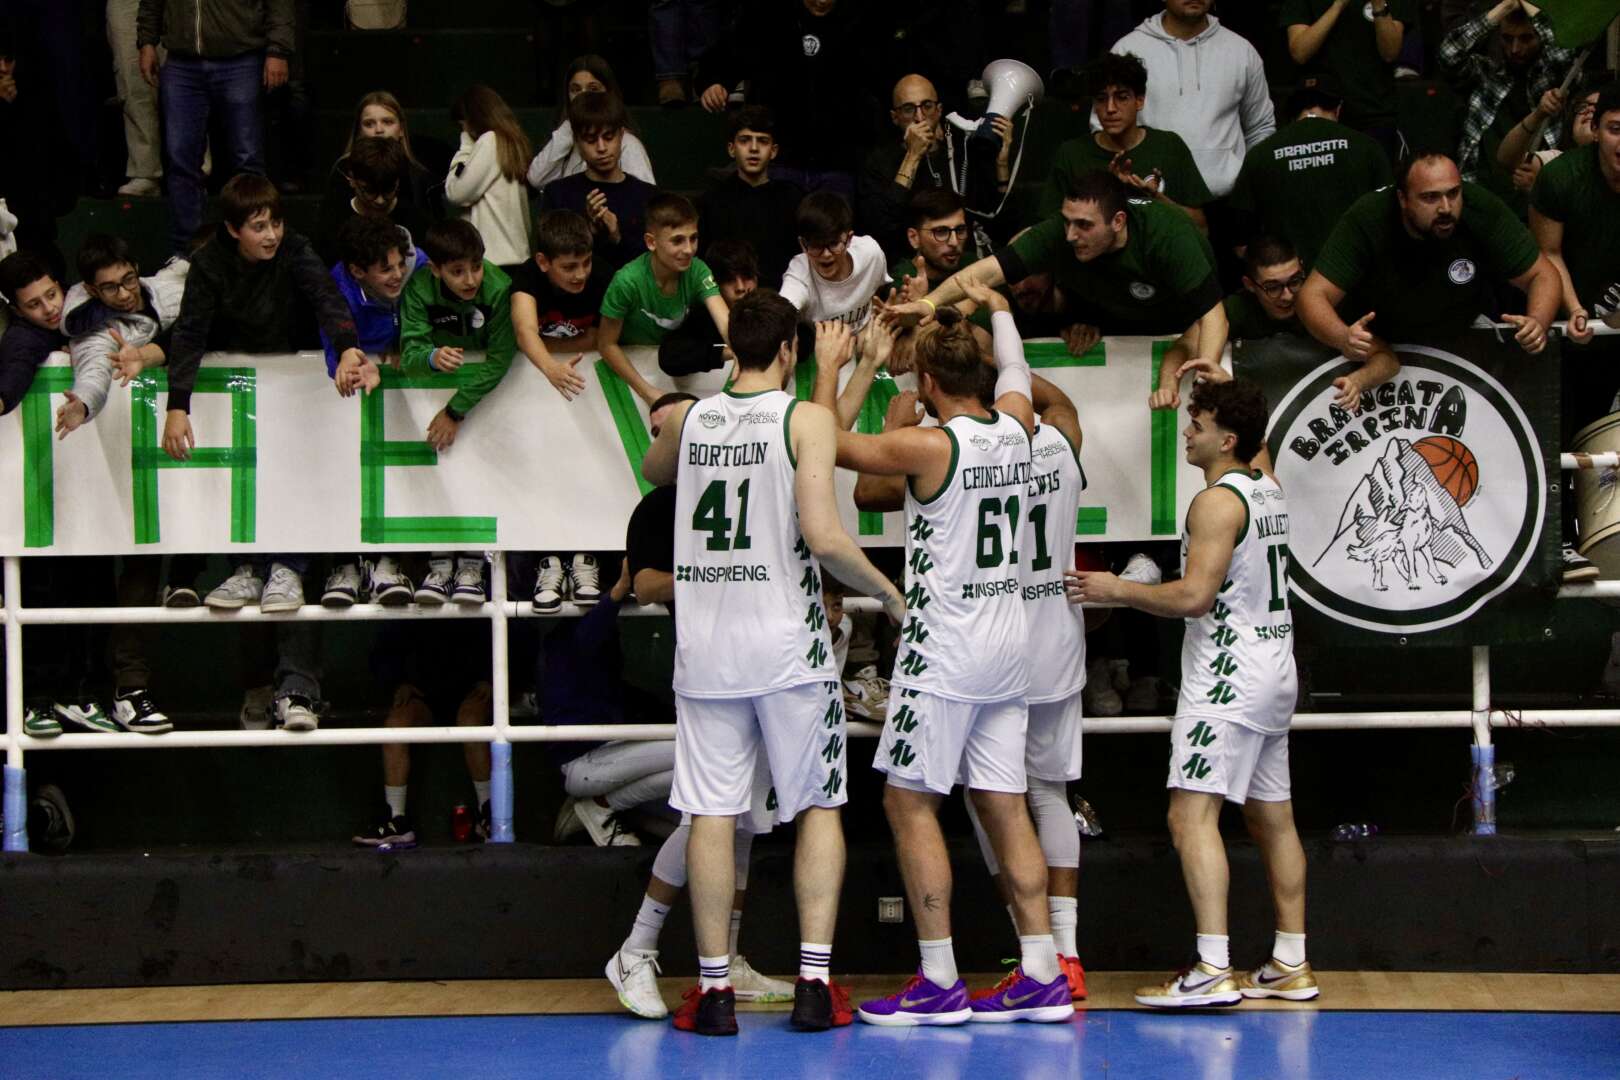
point(375, 323)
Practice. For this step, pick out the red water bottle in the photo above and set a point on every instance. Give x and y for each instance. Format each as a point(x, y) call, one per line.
point(461, 824)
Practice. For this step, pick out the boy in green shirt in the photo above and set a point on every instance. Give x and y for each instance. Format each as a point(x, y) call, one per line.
point(652, 294)
point(1156, 164)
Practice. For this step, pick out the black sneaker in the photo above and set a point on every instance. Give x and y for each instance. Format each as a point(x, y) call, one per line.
point(392, 833)
point(1578, 569)
point(134, 711)
point(713, 1012)
point(50, 823)
point(818, 1006)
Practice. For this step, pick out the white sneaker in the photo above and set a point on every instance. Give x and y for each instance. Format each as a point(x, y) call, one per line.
point(468, 587)
point(1142, 570)
point(342, 587)
point(603, 825)
point(140, 188)
point(568, 822)
point(295, 713)
point(1197, 987)
point(752, 986)
point(255, 714)
point(634, 974)
point(242, 587)
point(284, 591)
point(1099, 698)
point(389, 587)
point(435, 588)
point(582, 584)
point(548, 586)
point(867, 694)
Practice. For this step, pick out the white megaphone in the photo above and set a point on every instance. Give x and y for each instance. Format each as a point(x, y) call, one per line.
point(1014, 86)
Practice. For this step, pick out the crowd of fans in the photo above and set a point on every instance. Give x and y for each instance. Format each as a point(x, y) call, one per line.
point(1200, 202)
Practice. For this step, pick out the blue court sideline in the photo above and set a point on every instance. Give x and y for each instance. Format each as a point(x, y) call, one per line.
point(1226, 1046)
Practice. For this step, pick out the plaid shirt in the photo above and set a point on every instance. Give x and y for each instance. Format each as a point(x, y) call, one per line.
point(1462, 59)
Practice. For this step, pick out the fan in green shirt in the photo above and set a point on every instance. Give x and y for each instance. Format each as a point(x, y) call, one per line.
point(1575, 212)
point(1421, 258)
point(1268, 304)
point(1356, 42)
point(1131, 265)
point(1156, 163)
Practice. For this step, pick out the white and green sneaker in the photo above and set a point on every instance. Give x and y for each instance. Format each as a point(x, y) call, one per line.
point(40, 724)
point(85, 714)
point(752, 986)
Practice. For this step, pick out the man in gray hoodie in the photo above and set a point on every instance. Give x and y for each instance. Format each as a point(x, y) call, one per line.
point(1206, 84)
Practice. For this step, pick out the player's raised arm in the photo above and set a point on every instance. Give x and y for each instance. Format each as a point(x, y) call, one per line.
point(1013, 395)
point(661, 462)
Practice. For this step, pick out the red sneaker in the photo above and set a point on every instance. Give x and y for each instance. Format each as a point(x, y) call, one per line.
point(1006, 981)
point(818, 1006)
point(1077, 976)
point(712, 1012)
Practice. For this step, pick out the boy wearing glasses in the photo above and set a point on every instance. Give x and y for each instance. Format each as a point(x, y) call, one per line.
point(837, 273)
point(1272, 277)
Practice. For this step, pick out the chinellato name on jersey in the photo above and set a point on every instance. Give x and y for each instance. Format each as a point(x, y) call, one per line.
point(713, 575)
point(995, 476)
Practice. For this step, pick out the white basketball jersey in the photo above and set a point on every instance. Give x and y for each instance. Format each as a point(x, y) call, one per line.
point(1057, 628)
point(964, 637)
point(748, 614)
point(1237, 660)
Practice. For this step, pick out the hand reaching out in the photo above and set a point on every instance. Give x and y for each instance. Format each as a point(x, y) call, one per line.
point(563, 377)
point(902, 411)
point(983, 296)
point(1080, 338)
point(835, 345)
point(126, 362)
point(71, 416)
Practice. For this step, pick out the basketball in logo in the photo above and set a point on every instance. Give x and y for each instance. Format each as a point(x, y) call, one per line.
point(1453, 464)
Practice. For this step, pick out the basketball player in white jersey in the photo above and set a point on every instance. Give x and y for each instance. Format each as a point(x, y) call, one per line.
point(1056, 653)
point(755, 516)
point(1230, 736)
point(957, 710)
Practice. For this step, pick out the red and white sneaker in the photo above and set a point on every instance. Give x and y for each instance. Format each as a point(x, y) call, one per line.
point(1077, 976)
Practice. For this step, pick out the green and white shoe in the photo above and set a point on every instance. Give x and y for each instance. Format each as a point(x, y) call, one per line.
point(85, 714)
point(40, 724)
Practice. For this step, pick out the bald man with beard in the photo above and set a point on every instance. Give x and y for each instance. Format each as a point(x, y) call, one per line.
point(917, 160)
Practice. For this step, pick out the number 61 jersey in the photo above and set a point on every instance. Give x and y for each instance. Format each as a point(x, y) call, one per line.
point(748, 614)
point(1237, 660)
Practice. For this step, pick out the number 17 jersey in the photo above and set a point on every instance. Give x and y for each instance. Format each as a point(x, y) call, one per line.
point(748, 614)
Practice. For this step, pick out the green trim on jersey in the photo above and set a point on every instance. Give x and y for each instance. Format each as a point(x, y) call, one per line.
point(1245, 530)
point(1066, 442)
point(787, 439)
point(994, 416)
point(950, 471)
point(748, 394)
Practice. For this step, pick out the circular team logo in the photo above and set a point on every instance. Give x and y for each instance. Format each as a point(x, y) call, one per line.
point(1412, 514)
point(812, 44)
point(477, 319)
point(979, 442)
point(711, 419)
point(1461, 272)
point(1142, 290)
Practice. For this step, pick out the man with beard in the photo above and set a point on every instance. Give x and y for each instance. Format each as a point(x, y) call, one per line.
point(1504, 84)
point(938, 235)
point(1423, 258)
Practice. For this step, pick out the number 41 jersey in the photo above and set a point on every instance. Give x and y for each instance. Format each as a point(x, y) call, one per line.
point(748, 614)
point(1237, 660)
point(965, 635)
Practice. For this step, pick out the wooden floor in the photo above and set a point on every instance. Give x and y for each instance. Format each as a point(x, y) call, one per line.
point(1350, 990)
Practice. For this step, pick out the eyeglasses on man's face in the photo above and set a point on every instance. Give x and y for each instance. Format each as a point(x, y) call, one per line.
point(1274, 289)
point(109, 290)
point(911, 109)
point(837, 247)
point(943, 233)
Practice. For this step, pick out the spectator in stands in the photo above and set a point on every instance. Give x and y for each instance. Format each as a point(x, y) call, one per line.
point(939, 237)
point(655, 294)
point(837, 273)
point(143, 166)
point(1575, 213)
point(748, 206)
point(377, 175)
point(920, 160)
point(1515, 153)
point(34, 299)
point(1155, 162)
point(1508, 61)
point(810, 62)
point(380, 115)
point(588, 74)
point(1125, 266)
point(1296, 184)
point(1422, 259)
point(217, 62)
point(1208, 86)
point(682, 30)
point(696, 345)
point(1272, 278)
point(614, 202)
point(486, 175)
point(557, 297)
point(1356, 45)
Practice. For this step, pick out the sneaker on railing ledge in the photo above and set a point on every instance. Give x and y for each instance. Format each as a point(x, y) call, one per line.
point(284, 591)
point(1099, 698)
point(469, 581)
point(389, 587)
point(435, 588)
point(85, 714)
point(548, 586)
point(342, 587)
point(40, 722)
point(255, 714)
point(867, 694)
point(179, 596)
point(1578, 569)
point(294, 712)
point(583, 587)
point(134, 711)
point(241, 588)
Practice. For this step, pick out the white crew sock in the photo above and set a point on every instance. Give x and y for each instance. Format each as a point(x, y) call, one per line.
point(1215, 950)
point(736, 928)
point(1065, 912)
point(1038, 957)
point(396, 799)
point(714, 973)
point(1289, 949)
point(481, 789)
point(815, 961)
point(649, 923)
point(939, 962)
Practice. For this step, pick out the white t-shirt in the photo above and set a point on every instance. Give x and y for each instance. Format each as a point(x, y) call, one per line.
point(848, 301)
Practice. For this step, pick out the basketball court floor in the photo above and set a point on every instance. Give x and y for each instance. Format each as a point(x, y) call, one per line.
point(1383, 1024)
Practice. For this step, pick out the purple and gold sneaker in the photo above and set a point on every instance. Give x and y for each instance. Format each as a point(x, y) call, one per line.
point(1019, 997)
point(919, 1003)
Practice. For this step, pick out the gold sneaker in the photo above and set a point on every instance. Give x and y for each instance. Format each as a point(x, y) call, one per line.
point(1275, 979)
point(1200, 986)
